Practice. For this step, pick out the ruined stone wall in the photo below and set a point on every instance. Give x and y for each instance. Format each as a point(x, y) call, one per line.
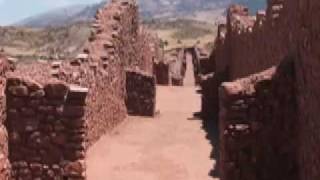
point(252, 44)
point(290, 106)
point(177, 66)
point(116, 43)
point(258, 126)
point(5, 67)
point(111, 45)
point(306, 29)
point(47, 132)
point(55, 111)
point(149, 49)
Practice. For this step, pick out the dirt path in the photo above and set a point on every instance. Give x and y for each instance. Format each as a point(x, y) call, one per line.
point(189, 78)
point(171, 146)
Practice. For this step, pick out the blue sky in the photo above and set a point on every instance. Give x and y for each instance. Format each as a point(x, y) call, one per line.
point(12, 11)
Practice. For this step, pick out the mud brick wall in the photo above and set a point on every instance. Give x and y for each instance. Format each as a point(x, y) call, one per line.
point(141, 93)
point(47, 132)
point(258, 126)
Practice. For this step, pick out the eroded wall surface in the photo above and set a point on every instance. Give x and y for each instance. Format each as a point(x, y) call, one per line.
point(258, 123)
point(141, 93)
point(56, 110)
point(5, 166)
point(47, 132)
point(286, 32)
point(117, 43)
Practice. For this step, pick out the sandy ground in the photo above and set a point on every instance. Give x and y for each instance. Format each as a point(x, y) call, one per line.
point(171, 146)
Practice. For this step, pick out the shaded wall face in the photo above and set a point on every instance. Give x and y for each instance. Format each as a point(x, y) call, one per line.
point(258, 127)
point(141, 93)
point(291, 29)
point(308, 76)
point(161, 72)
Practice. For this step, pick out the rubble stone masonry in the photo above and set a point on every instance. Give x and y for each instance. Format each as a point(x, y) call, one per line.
point(141, 93)
point(55, 111)
point(47, 132)
point(269, 127)
point(5, 166)
point(258, 117)
point(117, 43)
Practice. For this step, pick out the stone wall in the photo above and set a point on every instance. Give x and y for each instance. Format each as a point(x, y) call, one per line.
point(47, 132)
point(56, 111)
point(258, 126)
point(141, 93)
point(306, 29)
point(5, 67)
point(252, 44)
point(117, 42)
point(288, 105)
point(177, 66)
point(161, 72)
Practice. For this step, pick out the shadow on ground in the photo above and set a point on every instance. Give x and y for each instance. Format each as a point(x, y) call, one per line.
point(211, 126)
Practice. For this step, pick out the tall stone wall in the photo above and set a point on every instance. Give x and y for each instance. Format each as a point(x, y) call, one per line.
point(177, 66)
point(112, 43)
point(248, 45)
point(117, 43)
point(252, 44)
point(56, 111)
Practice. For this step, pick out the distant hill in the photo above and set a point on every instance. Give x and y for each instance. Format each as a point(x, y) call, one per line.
point(63, 16)
point(64, 31)
point(64, 41)
point(149, 9)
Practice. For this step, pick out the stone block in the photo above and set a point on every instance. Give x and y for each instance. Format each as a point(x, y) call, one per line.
point(57, 90)
point(73, 111)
